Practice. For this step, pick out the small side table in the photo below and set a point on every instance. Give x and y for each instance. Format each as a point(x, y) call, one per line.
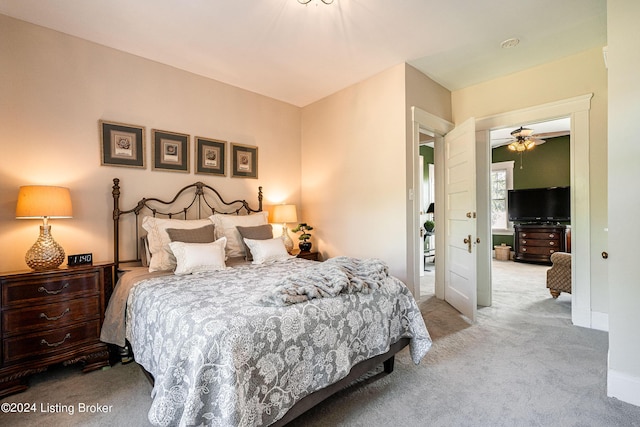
point(312, 255)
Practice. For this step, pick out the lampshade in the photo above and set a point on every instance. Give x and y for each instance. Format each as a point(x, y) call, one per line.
point(284, 213)
point(44, 202)
point(431, 207)
point(40, 201)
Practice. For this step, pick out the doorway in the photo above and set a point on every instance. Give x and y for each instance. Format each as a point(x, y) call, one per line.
point(543, 163)
point(577, 109)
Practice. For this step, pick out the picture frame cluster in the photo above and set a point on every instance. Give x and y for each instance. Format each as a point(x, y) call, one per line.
point(123, 145)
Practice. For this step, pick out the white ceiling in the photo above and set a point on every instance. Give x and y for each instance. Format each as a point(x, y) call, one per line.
point(299, 54)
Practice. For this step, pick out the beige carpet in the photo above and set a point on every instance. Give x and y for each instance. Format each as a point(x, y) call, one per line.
point(522, 364)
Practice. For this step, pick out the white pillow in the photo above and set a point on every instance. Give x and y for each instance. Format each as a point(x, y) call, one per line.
point(225, 225)
point(161, 256)
point(265, 251)
point(198, 257)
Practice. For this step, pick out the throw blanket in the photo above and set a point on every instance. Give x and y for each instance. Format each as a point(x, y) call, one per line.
point(328, 279)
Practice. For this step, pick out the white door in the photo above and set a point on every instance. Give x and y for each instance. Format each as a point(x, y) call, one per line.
point(460, 216)
point(423, 211)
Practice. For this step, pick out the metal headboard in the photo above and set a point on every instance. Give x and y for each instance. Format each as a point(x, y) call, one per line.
point(198, 198)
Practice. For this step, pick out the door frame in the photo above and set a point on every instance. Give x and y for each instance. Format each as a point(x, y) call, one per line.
point(439, 127)
point(577, 109)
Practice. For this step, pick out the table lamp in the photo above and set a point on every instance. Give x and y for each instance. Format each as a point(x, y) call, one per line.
point(44, 202)
point(284, 214)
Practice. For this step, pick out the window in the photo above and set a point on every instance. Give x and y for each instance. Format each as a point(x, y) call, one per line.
point(501, 182)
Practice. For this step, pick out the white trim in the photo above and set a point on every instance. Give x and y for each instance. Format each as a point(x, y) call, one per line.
point(427, 121)
point(600, 321)
point(577, 108)
point(508, 167)
point(623, 387)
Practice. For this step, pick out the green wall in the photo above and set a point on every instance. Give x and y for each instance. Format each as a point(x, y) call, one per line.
point(427, 153)
point(547, 165)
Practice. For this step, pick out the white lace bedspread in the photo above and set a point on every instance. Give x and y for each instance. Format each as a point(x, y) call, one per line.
point(221, 358)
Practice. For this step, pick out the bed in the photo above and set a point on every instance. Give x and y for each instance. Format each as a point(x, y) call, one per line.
point(251, 339)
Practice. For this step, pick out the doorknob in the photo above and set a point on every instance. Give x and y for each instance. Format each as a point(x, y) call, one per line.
point(468, 242)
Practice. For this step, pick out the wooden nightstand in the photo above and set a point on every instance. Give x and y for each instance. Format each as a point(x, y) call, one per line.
point(52, 317)
point(313, 255)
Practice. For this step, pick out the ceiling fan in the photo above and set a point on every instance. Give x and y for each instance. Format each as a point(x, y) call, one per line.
point(524, 140)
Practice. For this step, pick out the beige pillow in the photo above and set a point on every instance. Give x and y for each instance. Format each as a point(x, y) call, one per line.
point(162, 258)
point(192, 235)
point(259, 232)
point(226, 227)
point(198, 257)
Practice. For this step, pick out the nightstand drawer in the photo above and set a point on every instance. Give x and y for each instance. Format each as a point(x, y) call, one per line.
point(52, 341)
point(50, 316)
point(50, 289)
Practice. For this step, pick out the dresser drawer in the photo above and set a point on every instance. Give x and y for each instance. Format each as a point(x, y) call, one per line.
point(41, 344)
point(538, 250)
point(544, 243)
point(538, 235)
point(50, 316)
point(53, 288)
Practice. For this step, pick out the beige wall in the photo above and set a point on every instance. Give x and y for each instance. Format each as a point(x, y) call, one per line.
point(624, 202)
point(355, 148)
point(353, 163)
point(572, 76)
point(54, 90)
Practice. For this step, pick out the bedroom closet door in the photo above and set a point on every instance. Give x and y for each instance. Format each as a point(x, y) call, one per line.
point(461, 236)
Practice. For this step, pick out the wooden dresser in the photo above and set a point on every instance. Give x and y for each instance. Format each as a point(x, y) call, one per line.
point(535, 243)
point(52, 317)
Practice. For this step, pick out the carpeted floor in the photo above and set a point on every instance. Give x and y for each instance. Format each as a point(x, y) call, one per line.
point(521, 364)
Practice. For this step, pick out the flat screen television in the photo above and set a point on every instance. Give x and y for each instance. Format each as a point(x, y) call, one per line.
point(540, 205)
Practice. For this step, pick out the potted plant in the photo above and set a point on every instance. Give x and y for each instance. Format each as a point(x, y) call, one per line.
point(305, 244)
point(429, 226)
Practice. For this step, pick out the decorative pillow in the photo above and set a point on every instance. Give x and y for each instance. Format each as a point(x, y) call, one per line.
point(226, 226)
point(162, 258)
point(198, 257)
point(266, 251)
point(192, 235)
point(259, 232)
point(145, 255)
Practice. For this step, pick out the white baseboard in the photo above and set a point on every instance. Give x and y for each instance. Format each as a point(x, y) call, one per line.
point(600, 321)
point(590, 319)
point(623, 387)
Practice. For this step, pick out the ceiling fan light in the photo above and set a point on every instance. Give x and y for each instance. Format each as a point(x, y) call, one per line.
point(512, 146)
point(529, 144)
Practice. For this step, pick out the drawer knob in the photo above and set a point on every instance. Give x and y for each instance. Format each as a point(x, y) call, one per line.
point(55, 344)
point(551, 236)
point(44, 316)
point(524, 242)
point(524, 249)
point(43, 289)
point(552, 243)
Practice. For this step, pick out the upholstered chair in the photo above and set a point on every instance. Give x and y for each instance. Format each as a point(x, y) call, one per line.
point(559, 275)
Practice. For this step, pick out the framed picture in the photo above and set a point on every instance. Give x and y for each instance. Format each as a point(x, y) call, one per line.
point(244, 161)
point(170, 151)
point(210, 156)
point(121, 144)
